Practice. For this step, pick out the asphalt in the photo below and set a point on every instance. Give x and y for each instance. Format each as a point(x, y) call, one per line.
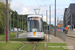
point(23, 35)
point(71, 34)
point(70, 42)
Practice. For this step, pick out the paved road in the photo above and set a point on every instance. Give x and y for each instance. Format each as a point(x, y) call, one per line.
point(71, 42)
point(24, 35)
point(73, 33)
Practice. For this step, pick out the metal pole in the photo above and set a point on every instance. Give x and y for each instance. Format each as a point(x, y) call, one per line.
point(50, 22)
point(13, 22)
point(42, 23)
point(47, 21)
point(7, 22)
point(71, 21)
point(17, 26)
point(10, 21)
point(57, 20)
point(55, 17)
point(46, 18)
point(4, 16)
point(22, 22)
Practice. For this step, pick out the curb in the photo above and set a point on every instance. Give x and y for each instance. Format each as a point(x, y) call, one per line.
point(71, 36)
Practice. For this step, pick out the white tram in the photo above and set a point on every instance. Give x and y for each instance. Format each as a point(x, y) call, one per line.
point(35, 27)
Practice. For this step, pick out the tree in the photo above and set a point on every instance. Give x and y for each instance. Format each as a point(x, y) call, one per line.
point(4, 1)
point(24, 21)
point(44, 23)
point(14, 18)
point(3, 17)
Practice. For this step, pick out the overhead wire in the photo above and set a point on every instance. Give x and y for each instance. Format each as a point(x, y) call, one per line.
point(37, 3)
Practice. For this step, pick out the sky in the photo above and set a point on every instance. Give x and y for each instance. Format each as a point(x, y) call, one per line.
point(28, 6)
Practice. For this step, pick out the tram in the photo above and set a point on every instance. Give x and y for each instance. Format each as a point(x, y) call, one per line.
point(35, 27)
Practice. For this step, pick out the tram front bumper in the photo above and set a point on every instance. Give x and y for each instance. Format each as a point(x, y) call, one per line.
point(35, 37)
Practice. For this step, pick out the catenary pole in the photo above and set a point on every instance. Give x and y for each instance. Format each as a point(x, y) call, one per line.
point(46, 18)
point(22, 22)
point(7, 22)
point(47, 24)
point(13, 21)
point(55, 18)
point(49, 21)
point(17, 26)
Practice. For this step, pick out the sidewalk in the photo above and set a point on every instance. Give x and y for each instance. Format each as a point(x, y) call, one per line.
point(23, 35)
point(54, 39)
point(71, 34)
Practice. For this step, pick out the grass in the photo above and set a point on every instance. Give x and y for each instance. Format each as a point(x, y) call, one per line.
point(2, 37)
point(18, 39)
point(10, 46)
point(40, 46)
point(56, 46)
point(3, 44)
point(28, 47)
point(11, 35)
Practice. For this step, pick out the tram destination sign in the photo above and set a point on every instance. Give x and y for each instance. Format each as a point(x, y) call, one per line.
point(33, 18)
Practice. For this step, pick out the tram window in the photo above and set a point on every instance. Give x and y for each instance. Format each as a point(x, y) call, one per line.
point(34, 25)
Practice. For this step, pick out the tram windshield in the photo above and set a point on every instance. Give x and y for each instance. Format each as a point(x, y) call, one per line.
point(34, 24)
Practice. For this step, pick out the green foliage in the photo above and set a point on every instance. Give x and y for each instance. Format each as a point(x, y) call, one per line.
point(14, 19)
point(3, 17)
point(45, 26)
point(24, 17)
point(17, 20)
point(40, 46)
point(44, 23)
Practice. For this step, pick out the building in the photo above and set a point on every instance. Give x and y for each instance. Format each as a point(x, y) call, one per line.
point(69, 16)
point(64, 19)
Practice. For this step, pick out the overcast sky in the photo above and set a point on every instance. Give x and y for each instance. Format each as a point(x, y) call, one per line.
point(28, 6)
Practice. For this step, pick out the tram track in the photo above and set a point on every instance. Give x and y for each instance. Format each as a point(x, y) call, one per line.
point(23, 46)
point(34, 42)
point(31, 43)
point(35, 45)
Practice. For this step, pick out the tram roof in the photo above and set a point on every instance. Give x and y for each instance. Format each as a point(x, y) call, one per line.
point(35, 16)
